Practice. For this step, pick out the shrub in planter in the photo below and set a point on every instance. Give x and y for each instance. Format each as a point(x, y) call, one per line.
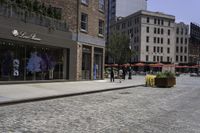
point(166, 79)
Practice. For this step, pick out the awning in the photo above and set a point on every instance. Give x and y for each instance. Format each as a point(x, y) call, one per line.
point(196, 66)
point(168, 65)
point(181, 66)
point(125, 65)
point(156, 65)
point(140, 64)
point(111, 65)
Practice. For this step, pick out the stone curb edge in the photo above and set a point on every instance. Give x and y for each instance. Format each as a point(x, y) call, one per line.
point(6, 103)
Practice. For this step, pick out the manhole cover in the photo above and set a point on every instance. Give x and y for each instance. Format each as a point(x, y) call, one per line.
point(125, 93)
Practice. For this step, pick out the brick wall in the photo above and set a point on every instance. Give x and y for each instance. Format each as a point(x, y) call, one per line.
point(69, 11)
point(93, 16)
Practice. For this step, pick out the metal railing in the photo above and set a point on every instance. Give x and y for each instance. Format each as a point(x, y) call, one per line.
point(32, 17)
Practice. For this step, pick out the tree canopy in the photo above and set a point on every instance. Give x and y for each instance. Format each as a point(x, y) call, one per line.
point(118, 48)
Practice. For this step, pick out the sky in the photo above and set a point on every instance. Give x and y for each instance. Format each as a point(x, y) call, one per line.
point(184, 10)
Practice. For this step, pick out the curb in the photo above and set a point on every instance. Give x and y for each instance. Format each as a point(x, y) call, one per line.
point(27, 100)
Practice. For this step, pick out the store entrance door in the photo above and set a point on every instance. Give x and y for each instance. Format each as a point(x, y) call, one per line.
point(98, 62)
point(86, 66)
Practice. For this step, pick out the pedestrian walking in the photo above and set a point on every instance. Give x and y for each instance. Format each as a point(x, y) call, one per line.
point(130, 73)
point(112, 76)
point(120, 75)
point(124, 73)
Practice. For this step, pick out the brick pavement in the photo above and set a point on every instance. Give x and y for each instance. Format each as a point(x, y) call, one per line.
point(133, 110)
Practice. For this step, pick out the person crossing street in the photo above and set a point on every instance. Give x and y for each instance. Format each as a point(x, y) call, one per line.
point(112, 77)
point(120, 75)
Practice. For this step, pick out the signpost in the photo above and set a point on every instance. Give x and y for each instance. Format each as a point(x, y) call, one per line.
point(129, 69)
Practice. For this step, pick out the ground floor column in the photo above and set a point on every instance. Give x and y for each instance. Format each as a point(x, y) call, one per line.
point(103, 63)
point(92, 63)
point(65, 64)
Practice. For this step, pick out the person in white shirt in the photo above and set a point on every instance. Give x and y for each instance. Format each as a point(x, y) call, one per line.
point(120, 75)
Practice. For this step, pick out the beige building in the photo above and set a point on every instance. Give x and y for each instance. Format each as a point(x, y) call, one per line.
point(152, 36)
point(182, 42)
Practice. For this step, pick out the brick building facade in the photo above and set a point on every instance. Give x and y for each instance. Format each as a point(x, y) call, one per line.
point(73, 12)
point(71, 32)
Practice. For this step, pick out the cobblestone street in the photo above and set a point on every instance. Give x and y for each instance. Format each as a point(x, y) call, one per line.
point(134, 110)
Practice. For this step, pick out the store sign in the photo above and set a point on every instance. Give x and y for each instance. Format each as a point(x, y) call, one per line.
point(24, 35)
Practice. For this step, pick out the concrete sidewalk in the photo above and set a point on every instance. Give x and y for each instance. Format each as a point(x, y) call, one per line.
point(18, 93)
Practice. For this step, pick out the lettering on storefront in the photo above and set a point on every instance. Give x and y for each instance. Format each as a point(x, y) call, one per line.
point(24, 35)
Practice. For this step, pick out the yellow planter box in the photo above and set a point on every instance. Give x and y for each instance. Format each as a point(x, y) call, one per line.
point(150, 80)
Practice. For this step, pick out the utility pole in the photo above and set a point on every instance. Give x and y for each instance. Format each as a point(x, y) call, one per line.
point(130, 47)
point(198, 59)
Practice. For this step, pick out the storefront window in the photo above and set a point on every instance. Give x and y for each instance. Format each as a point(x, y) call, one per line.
point(98, 59)
point(20, 61)
point(44, 63)
point(12, 61)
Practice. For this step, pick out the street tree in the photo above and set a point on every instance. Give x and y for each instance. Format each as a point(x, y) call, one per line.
point(118, 48)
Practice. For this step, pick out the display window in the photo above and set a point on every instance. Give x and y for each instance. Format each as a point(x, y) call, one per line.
point(20, 61)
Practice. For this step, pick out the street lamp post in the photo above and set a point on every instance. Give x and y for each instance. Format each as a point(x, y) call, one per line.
point(198, 61)
point(130, 74)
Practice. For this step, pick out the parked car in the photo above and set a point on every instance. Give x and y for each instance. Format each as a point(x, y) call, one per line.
point(193, 74)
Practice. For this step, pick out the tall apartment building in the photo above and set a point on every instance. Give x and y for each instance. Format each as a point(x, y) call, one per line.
point(52, 40)
point(123, 8)
point(127, 7)
point(182, 42)
point(111, 9)
point(194, 44)
point(111, 15)
point(152, 35)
